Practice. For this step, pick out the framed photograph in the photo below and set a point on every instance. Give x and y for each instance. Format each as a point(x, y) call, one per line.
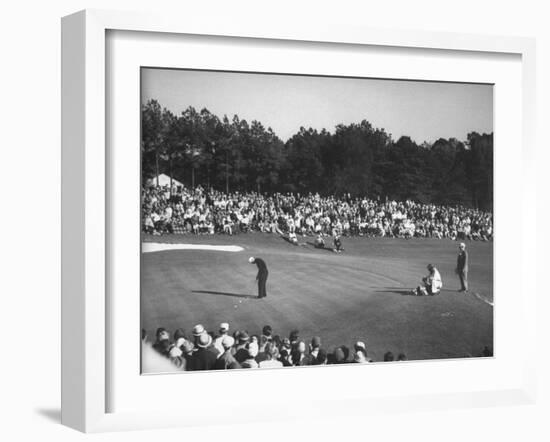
point(291, 210)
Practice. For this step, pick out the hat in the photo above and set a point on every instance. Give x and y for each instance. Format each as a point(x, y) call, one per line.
point(198, 330)
point(224, 326)
point(243, 336)
point(228, 342)
point(316, 342)
point(267, 330)
point(204, 340)
point(462, 245)
point(360, 344)
point(294, 334)
point(251, 260)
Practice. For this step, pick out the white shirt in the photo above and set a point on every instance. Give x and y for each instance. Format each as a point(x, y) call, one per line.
point(437, 283)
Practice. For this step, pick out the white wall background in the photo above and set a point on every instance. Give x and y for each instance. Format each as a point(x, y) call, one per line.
point(30, 216)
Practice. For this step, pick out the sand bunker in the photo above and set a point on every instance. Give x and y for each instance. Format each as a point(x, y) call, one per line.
point(148, 247)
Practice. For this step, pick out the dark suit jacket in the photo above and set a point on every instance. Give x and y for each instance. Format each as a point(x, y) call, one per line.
point(262, 267)
point(462, 261)
point(202, 359)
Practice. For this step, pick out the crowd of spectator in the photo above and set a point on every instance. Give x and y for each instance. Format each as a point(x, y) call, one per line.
point(201, 211)
point(204, 350)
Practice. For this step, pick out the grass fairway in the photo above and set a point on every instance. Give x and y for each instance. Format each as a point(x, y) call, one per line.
point(361, 294)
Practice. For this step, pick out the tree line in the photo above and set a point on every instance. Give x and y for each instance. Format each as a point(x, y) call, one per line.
point(197, 147)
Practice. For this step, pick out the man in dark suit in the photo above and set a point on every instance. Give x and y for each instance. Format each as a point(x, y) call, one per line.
point(261, 277)
point(462, 267)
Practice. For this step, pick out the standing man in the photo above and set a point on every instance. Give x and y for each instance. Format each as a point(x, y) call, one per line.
point(462, 267)
point(261, 277)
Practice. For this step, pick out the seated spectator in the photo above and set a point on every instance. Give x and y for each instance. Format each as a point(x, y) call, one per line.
point(223, 332)
point(360, 357)
point(226, 361)
point(293, 338)
point(286, 358)
point(204, 358)
point(162, 343)
point(271, 357)
point(338, 356)
point(360, 347)
point(322, 357)
point(198, 331)
point(241, 350)
point(299, 356)
point(252, 352)
point(314, 349)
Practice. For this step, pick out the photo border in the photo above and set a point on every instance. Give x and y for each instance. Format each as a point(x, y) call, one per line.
point(85, 263)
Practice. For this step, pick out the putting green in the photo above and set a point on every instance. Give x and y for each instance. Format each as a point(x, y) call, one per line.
point(361, 294)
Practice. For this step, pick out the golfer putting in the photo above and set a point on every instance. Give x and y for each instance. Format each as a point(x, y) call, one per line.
point(261, 277)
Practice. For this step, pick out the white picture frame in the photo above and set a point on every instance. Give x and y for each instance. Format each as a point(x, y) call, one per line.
point(86, 205)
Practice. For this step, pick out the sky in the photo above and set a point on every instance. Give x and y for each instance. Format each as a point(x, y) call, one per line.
point(425, 111)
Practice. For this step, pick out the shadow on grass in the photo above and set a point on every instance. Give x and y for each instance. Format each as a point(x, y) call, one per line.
point(398, 291)
point(406, 292)
point(234, 295)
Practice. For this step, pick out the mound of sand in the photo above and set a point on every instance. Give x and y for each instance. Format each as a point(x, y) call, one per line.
point(148, 247)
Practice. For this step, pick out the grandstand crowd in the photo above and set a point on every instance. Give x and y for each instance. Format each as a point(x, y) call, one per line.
point(200, 211)
point(204, 350)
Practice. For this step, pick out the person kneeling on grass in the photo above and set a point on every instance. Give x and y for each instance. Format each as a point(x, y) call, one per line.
point(431, 284)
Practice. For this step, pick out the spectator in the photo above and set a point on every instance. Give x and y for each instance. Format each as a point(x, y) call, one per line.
point(314, 349)
point(223, 332)
point(360, 357)
point(198, 331)
point(162, 343)
point(252, 352)
point(241, 350)
point(204, 358)
point(227, 360)
point(271, 356)
point(200, 211)
point(299, 356)
point(244, 351)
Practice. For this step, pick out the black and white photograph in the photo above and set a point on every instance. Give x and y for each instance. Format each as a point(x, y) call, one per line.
point(302, 220)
